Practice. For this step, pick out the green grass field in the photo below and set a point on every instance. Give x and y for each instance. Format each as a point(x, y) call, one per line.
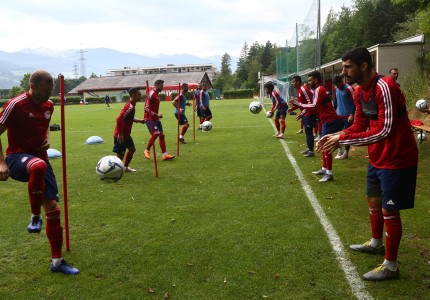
point(227, 219)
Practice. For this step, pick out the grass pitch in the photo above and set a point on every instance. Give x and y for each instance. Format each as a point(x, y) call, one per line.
point(227, 219)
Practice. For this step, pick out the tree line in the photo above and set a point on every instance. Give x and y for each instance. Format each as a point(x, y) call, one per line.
point(365, 23)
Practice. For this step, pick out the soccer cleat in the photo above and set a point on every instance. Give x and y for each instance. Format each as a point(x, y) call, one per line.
point(326, 178)
point(343, 156)
point(35, 225)
point(300, 131)
point(182, 140)
point(276, 133)
point(305, 151)
point(339, 154)
point(319, 172)
point(167, 156)
point(128, 169)
point(309, 154)
point(381, 273)
point(64, 268)
point(280, 136)
point(317, 138)
point(367, 248)
point(147, 154)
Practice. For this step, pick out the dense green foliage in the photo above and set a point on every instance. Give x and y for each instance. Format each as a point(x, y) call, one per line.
point(238, 94)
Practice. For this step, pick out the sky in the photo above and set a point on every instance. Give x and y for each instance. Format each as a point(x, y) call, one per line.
point(200, 28)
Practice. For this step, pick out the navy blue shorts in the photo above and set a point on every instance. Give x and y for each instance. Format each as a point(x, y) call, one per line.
point(331, 127)
point(396, 187)
point(156, 125)
point(120, 148)
point(282, 111)
point(17, 164)
point(310, 121)
point(206, 112)
point(183, 119)
point(199, 113)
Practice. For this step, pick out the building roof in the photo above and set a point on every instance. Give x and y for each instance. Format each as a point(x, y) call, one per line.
point(118, 83)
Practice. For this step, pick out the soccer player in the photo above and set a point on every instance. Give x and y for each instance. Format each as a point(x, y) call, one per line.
point(205, 111)
point(308, 115)
point(181, 98)
point(281, 107)
point(152, 119)
point(197, 98)
point(382, 123)
point(329, 120)
point(108, 101)
point(26, 119)
point(124, 122)
point(345, 108)
point(394, 74)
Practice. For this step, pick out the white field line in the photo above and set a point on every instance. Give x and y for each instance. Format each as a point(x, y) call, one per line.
point(354, 280)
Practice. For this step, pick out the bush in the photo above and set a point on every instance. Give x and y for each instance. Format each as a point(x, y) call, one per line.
point(69, 100)
point(238, 94)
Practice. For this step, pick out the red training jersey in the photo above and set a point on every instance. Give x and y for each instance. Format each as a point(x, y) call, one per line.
point(304, 96)
point(124, 121)
point(321, 102)
point(153, 102)
point(27, 124)
point(391, 143)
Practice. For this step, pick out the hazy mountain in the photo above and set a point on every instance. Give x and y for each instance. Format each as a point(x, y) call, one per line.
point(98, 61)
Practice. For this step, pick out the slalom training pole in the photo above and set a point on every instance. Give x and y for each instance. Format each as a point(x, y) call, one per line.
point(63, 159)
point(151, 126)
point(194, 117)
point(178, 106)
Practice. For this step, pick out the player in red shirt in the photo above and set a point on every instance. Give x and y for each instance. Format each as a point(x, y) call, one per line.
point(308, 115)
point(26, 119)
point(124, 123)
point(381, 122)
point(152, 119)
point(329, 119)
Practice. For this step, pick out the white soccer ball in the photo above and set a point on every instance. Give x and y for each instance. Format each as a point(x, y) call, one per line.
point(206, 126)
point(110, 168)
point(255, 107)
point(422, 105)
point(421, 136)
point(269, 114)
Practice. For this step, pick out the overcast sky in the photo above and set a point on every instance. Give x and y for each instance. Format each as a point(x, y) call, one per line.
point(201, 28)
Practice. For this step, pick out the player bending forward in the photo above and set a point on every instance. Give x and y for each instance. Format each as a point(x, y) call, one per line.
point(26, 119)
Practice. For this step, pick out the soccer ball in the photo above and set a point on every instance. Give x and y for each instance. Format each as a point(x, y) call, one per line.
point(269, 114)
point(422, 105)
point(255, 107)
point(421, 136)
point(110, 168)
point(206, 126)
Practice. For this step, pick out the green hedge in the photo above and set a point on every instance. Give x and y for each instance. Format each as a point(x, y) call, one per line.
point(190, 95)
point(238, 94)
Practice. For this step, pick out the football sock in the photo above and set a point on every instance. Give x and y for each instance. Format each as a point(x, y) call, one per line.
point(278, 125)
point(36, 184)
point(391, 265)
point(282, 121)
point(184, 129)
point(54, 232)
point(163, 143)
point(328, 159)
point(376, 220)
point(56, 261)
point(128, 158)
point(393, 235)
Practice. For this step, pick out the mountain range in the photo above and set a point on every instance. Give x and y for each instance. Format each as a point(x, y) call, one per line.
point(99, 61)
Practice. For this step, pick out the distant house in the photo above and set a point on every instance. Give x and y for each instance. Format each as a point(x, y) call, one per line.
point(119, 85)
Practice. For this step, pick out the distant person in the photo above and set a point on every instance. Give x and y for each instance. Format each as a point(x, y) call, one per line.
point(196, 96)
point(329, 119)
point(108, 102)
point(204, 100)
point(152, 118)
point(382, 123)
point(26, 119)
point(308, 116)
point(394, 74)
point(180, 103)
point(280, 106)
point(345, 108)
point(124, 123)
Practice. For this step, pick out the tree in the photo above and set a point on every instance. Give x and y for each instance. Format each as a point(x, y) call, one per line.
point(266, 57)
point(223, 80)
point(25, 82)
point(15, 91)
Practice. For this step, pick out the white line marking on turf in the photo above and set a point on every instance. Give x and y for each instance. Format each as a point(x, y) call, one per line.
point(354, 280)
